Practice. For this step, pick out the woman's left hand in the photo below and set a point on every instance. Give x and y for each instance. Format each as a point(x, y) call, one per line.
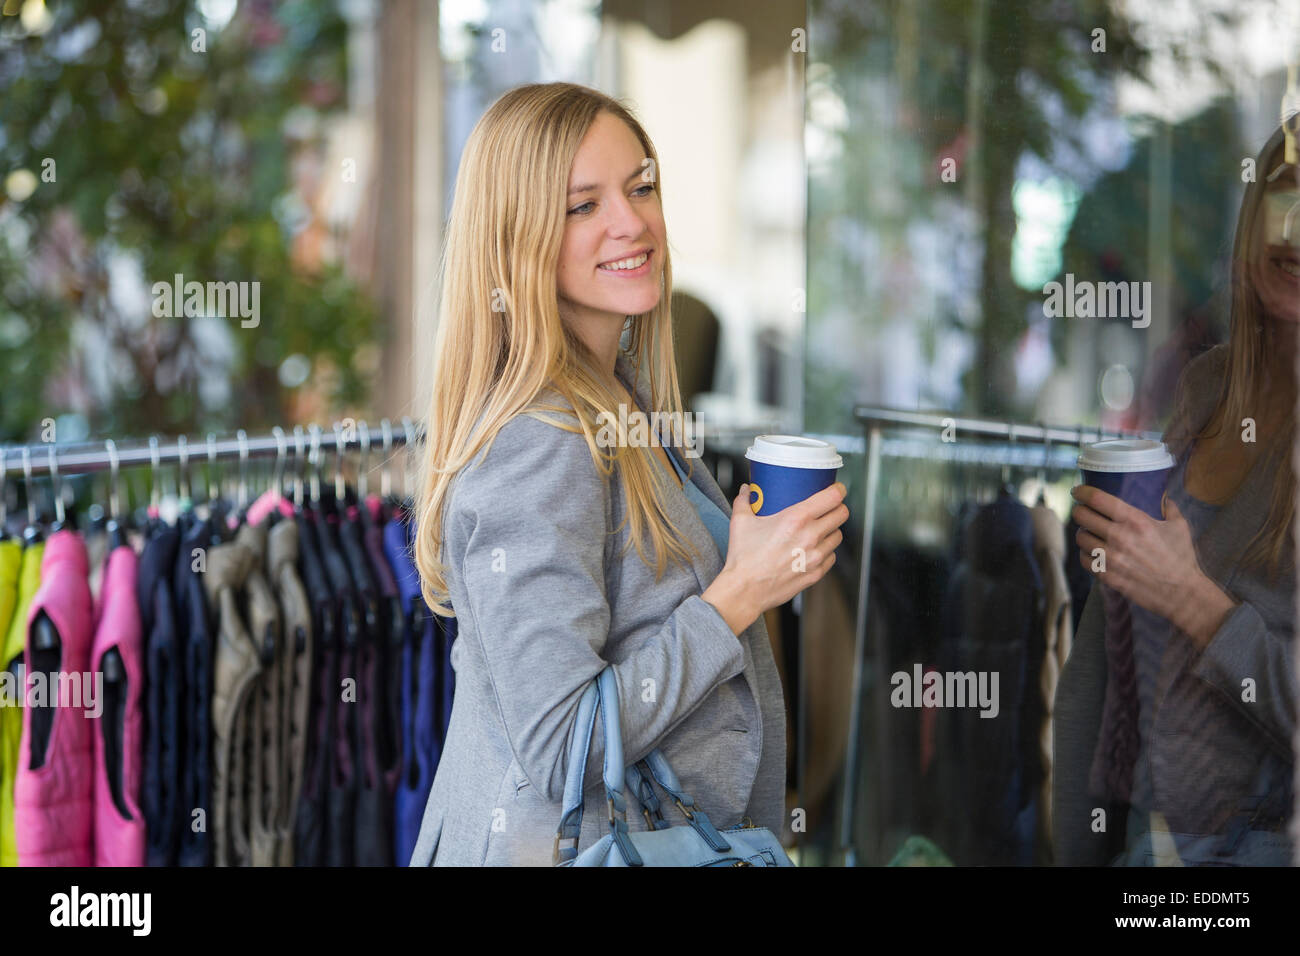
point(1152, 563)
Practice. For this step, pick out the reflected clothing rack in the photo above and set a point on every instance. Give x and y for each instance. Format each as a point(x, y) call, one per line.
point(952, 429)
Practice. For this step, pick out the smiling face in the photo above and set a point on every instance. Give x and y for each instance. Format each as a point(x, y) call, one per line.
point(1275, 269)
point(611, 258)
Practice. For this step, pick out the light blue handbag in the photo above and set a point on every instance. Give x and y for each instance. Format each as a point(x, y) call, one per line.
point(698, 844)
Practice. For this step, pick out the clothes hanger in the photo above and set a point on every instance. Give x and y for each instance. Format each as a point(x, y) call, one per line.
point(14, 666)
point(363, 478)
point(31, 533)
point(185, 517)
point(299, 466)
point(113, 527)
point(155, 523)
point(44, 636)
point(386, 469)
point(56, 488)
point(408, 428)
point(315, 462)
point(1042, 474)
point(183, 471)
point(217, 528)
point(271, 634)
point(276, 485)
point(111, 663)
point(4, 494)
point(241, 488)
point(341, 501)
point(1007, 489)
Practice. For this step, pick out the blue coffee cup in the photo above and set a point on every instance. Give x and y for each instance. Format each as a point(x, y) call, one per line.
point(787, 469)
point(1135, 470)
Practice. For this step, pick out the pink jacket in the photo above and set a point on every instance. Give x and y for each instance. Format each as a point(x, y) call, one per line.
point(119, 837)
point(54, 804)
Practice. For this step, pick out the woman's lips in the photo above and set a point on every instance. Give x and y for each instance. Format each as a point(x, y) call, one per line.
point(642, 269)
point(1287, 268)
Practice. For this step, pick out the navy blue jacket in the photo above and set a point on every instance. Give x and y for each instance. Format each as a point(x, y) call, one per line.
point(195, 724)
point(160, 794)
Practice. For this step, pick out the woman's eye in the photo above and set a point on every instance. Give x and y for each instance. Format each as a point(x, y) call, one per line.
point(648, 187)
point(577, 210)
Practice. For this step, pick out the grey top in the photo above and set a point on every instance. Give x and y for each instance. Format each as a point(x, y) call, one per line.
point(545, 597)
point(715, 519)
point(1222, 720)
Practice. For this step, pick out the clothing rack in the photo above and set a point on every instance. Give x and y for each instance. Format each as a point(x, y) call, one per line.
point(309, 444)
point(876, 420)
point(325, 594)
point(50, 458)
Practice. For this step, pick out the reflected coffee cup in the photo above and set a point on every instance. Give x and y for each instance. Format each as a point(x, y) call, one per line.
point(1135, 470)
point(787, 469)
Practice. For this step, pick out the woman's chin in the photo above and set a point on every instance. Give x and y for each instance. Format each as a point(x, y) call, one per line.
point(635, 305)
point(1282, 308)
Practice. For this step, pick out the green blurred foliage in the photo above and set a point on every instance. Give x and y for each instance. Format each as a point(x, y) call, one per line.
point(988, 83)
point(979, 81)
point(180, 160)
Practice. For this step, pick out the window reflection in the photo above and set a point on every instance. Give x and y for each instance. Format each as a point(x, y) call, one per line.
point(1027, 212)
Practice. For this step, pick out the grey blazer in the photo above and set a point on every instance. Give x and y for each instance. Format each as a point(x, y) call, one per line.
point(545, 598)
point(1230, 760)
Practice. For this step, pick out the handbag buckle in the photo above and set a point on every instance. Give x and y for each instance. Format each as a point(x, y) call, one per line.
point(613, 816)
point(555, 852)
point(682, 807)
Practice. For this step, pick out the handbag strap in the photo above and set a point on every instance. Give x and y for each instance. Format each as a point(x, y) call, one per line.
point(640, 788)
point(602, 691)
point(571, 820)
point(658, 767)
point(602, 694)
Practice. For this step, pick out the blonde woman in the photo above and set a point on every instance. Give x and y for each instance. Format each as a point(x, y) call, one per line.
point(561, 552)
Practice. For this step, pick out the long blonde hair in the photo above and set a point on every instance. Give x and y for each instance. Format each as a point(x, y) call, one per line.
point(1247, 383)
point(500, 340)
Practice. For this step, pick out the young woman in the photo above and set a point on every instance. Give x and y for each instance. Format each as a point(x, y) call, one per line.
point(559, 552)
point(1202, 770)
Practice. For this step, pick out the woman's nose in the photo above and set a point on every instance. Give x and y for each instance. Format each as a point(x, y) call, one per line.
point(625, 219)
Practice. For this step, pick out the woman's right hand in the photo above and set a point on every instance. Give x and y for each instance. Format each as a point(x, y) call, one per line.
point(772, 558)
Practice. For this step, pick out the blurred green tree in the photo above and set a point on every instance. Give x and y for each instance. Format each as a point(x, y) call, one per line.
point(142, 141)
point(973, 83)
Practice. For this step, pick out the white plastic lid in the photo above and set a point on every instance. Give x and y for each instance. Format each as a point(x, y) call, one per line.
point(1125, 455)
point(794, 451)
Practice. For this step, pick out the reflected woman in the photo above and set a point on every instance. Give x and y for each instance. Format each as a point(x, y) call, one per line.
point(1176, 748)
